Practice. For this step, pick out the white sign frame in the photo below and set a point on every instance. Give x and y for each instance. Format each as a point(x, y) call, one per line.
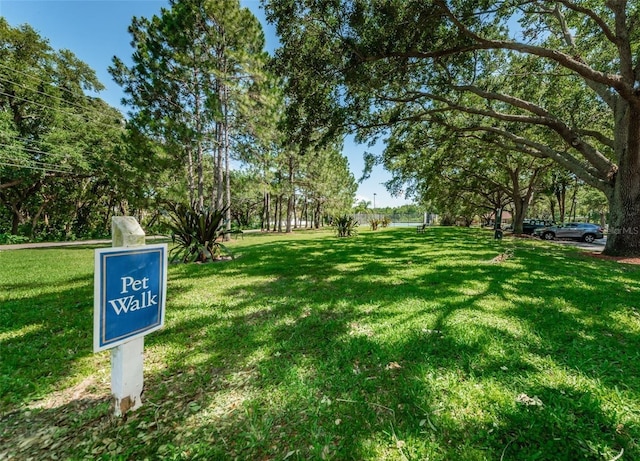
point(100, 292)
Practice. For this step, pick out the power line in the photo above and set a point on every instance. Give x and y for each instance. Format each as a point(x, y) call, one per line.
point(33, 77)
point(31, 167)
point(37, 164)
point(60, 88)
point(33, 151)
point(46, 94)
point(43, 143)
point(87, 119)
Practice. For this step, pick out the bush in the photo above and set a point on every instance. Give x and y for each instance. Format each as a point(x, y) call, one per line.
point(10, 239)
point(385, 221)
point(345, 226)
point(197, 232)
point(374, 223)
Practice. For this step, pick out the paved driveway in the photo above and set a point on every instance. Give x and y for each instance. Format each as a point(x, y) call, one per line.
point(22, 246)
point(597, 246)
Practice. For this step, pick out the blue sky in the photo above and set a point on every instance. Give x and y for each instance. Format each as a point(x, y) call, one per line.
point(96, 30)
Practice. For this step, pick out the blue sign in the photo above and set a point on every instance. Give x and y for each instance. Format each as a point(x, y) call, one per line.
point(129, 293)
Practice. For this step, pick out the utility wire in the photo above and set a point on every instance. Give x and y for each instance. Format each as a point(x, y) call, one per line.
point(43, 143)
point(38, 163)
point(31, 167)
point(36, 78)
point(46, 94)
point(32, 151)
point(57, 109)
point(40, 80)
point(59, 88)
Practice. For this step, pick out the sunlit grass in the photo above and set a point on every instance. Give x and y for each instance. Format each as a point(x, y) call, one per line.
point(390, 345)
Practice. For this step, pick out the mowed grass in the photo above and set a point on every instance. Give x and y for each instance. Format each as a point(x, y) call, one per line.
point(391, 345)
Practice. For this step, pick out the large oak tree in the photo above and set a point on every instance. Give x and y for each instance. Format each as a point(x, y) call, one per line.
point(556, 78)
point(62, 152)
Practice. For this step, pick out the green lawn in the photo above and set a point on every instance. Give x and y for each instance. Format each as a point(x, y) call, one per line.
point(390, 345)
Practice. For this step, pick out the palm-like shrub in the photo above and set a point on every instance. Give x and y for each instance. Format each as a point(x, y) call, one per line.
point(196, 231)
point(374, 223)
point(345, 226)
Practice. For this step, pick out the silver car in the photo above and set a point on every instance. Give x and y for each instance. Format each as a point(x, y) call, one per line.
point(574, 230)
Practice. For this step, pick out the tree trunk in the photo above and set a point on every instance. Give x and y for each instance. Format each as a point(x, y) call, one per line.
point(15, 199)
point(199, 149)
point(190, 177)
point(561, 195)
point(281, 202)
point(623, 238)
point(106, 226)
point(219, 187)
point(290, 201)
point(200, 167)
point(227, 176)
point(36, 217)
point(519, 214)
point(291, 209)
point(317, 217)
point(520, 203)
point(16, 219)
point(276, 214)
point(266, 212)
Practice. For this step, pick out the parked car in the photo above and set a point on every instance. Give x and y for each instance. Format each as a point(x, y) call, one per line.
point(583, 231)
point(530, 225)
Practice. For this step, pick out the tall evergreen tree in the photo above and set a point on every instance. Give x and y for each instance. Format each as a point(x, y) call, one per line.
point(192, 66)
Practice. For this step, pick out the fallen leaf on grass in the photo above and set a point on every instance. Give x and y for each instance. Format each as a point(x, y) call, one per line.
point(524, 399)
point(289, 454)
point(393, 366)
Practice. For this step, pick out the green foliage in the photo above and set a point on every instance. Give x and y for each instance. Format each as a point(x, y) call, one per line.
point(10, 239)
point(481, 70)
point(374, 223)
point(447, 219)
point(345, 226)
point(362, 207)
point(192, 69)
point(197, 232)
point(246, 197)
point(64, 166)
point(385, 221)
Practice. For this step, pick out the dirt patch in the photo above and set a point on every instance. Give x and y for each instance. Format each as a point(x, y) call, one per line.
point(620, 259)
point(89, 389)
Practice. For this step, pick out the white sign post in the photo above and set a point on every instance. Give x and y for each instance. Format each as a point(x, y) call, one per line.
point(129, 302)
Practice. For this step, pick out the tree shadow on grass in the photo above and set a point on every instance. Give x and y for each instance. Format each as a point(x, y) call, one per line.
point(358, 350)
point(318, 338)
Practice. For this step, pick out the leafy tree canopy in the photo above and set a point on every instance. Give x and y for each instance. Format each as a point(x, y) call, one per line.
point(556, 79)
